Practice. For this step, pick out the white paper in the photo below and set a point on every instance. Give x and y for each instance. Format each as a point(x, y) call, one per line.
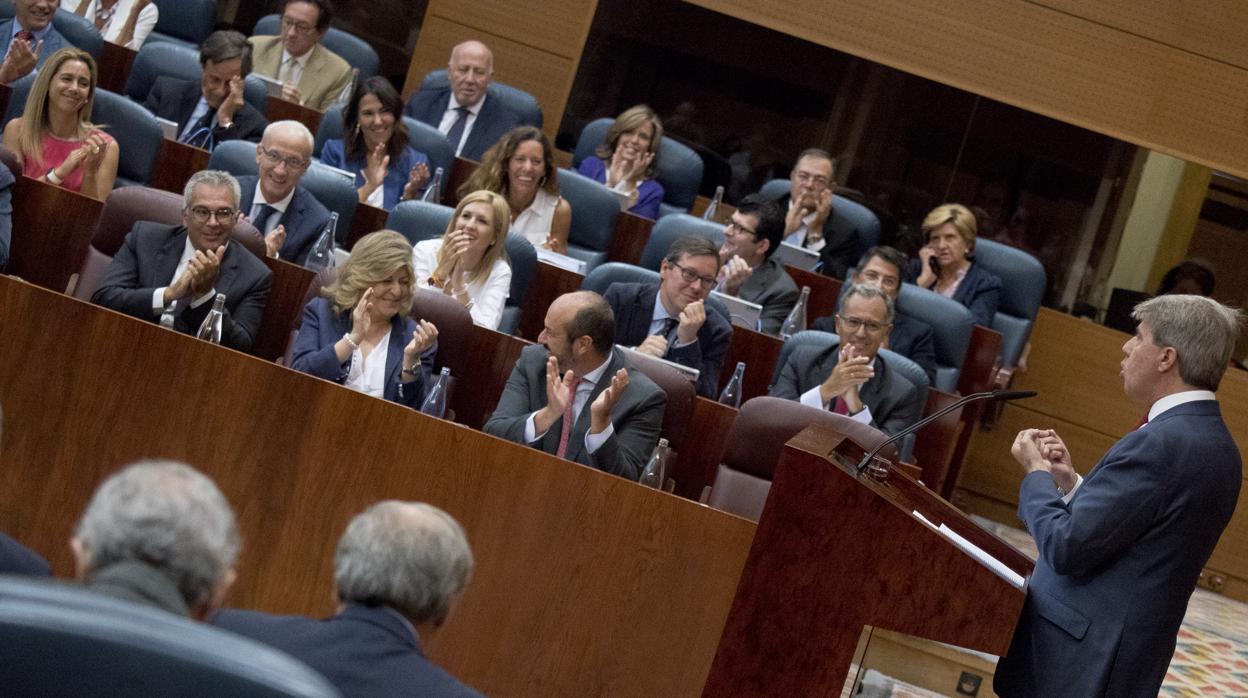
point(978, 553)
point(560, 260)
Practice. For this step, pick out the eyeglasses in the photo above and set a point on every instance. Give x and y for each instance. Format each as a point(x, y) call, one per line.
point(691, 276)
point(852, 324)
point(817, 180)
point(299, 27)
point(273, 157)
point(885, 282)
point(734, 228)
point(201, 214)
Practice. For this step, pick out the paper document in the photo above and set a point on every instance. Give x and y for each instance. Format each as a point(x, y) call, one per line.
point(978, 553)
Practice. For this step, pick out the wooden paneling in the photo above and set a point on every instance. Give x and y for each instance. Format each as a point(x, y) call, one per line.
point(549, 282)
point(582, 578)
point(52, 229)
point(1123, 84)
point(175, 165)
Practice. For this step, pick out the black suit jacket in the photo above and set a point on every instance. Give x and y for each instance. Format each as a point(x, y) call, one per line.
point(146, 262)
point(979, 291)
point(16, 558)
point(770, 286)
point(174, 99)
point(910, 337)
point(305, 219)
point(633, 305)
point(492, 122)
point(636, 418)
point(840, 249)
point(365, 652)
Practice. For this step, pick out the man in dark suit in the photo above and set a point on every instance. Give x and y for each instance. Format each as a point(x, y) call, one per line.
point(673, 319)
point(808, 218)
point(29, 38)
point(286, 214)
point(16, 558)
point(749, 270)
point(1121, 550)
point(463, 111)
point(882, 267)
point(6, 214)
point(190, 263)
point(212, 111)
point(399, 570)
point(852, 378)
point(575, 396)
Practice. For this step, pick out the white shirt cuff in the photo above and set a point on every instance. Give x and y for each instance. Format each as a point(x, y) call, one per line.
point(530, 429)
point(811, 398)
point(864, 416)
point(1078, 481)
point(158, 300)
point(595, 441)
point(212, 293)
point(679, 344)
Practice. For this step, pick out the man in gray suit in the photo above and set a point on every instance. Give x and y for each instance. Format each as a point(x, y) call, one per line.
point(28, 39)
point(852, 378)
point(574, 395)
point(749, 270)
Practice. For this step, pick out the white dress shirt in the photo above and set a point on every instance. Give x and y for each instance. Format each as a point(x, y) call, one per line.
point(583, 389)
point(798, 236)
point(158, 296)
point(290, 70)
point(368, 375)
point(451, 114)
point(146, 22)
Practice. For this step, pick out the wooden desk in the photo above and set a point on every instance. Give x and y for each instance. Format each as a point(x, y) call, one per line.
point(114, 67)
point(175, 165)
point(549, 282)
point(366, 219)
point(461, 170)
point(278, 109)
point(759, 352)
point(52, 230)
point(629, 239)
point(289, 285)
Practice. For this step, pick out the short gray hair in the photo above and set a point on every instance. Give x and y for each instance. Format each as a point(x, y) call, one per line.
point(868, 291)
point(168, 515)
point(410, 556)
point(1201, 330)
point(291, 124)
point(216, 179)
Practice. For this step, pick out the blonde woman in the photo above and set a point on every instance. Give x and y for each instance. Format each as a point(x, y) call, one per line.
point(359, 333)
point(625, 161)
point(469, 261)
point(946, 264)
point(54, 137)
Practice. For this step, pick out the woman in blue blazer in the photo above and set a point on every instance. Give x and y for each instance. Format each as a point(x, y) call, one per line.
point(358, 334)
point(947, 266)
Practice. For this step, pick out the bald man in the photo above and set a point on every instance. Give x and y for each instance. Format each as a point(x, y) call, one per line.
point(289, 216)
point(463, 110)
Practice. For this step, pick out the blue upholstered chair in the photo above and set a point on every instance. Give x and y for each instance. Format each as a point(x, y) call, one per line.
point(350, 48)
point(1023, 283)
point(594, 210)
point(604, 275)
point(679, 168)
point(139, 137)
point(670, 228)
point(419, 220)
point(17, 98)
point(330, 128)
point(424, 138)
point(519, 102)
point(184, 22)
point(951, 325)
point(523, 260)
point(180, 60)
point(846, 214)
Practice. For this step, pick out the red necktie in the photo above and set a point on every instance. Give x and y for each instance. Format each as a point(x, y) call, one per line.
point(567, 419)
point(27, 36)
point(838, 406)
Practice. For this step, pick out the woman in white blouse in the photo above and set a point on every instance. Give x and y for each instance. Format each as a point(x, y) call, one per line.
point(123, 22)
point(520, 167)
point(469, 261)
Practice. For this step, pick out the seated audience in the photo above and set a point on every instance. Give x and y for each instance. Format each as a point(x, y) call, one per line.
point(400, 569)
point(852, 378)
point(54, 137)
point(575, 396)
point(749, 270)
point(6, 214)
point(469, 262)
point(911, 337)
point(946, 264)
point(29, 38)
point(213, 111)
point(521, 169)
point(673, 319)
point(462, 111)
point(161, 534)
point(359, 333)
point(311, 74)
point(122, 22)
point(287, 215)
point(190, 263)
point(628, 159)
point(16, 558)
point(808, 220)
point(375, 147)
point(1194, 276)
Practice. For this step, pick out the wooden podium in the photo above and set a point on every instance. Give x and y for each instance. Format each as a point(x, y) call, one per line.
point(835, 552)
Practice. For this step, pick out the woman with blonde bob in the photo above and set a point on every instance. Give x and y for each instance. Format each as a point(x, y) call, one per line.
point(469, 261)
point(359, 333)
point(54, 137)
point(625, 161)
point(521, 168)
point(946, 264)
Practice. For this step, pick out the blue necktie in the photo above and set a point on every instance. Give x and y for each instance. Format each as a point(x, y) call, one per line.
point(261, 220)
point(456, 134)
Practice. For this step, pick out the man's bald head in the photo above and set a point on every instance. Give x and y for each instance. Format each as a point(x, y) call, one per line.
point(470, 70)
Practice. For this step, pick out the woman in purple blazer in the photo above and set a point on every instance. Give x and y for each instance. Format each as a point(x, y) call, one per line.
point(626, 161)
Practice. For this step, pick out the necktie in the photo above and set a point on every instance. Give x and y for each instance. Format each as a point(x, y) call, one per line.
point(201, 131)
point(669, 328)
point(838, 406)
point(566, 431)
point(456, 134)
point(262, 218)
point(27, 36)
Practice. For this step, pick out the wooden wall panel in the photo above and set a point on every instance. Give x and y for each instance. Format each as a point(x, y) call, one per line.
point(1107, 79)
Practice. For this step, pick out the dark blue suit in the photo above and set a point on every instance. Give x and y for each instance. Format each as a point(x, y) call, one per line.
point(492, 123)
point(16, 558)
point(1118, 564)
point(363, 651)
point(979, 291)
point(305, 219)
point(6, 214)
point(633, 305)
point(313, 352)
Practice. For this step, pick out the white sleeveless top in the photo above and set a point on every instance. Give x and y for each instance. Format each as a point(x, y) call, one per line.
point(534, 222)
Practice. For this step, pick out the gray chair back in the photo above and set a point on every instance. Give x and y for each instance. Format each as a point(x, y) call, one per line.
point(669, 229)
point(679, 168)
point(523, 260)
point(419, 220)
point(594, 210)
point(350, 48)
point(158, 59)
point(184, 22)
point(603, 275)
point(517, 101)
point(139, 137)
point(1023, 282)
point(951, 324)
point(434, 145)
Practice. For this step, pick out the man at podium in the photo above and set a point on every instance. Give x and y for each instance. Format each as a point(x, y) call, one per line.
point(1121, 550)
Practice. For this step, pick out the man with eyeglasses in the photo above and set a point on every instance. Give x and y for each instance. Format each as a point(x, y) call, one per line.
point(911, 337)
point(673, 319)
point(852, 378)
point(808, 220)
point(181, 268)
point(310, 74)
point(463, 111)
point(749, 270)
point(287, 215)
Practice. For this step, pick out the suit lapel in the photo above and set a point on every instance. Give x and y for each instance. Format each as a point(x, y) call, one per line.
point(576, 438)
point(190, 97)
point(394, 356)
point(643, 312)
point(167, 259)
point(759, 281)
point(870, 391)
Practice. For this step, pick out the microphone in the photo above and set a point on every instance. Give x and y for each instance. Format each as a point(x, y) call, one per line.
point(973, 397)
